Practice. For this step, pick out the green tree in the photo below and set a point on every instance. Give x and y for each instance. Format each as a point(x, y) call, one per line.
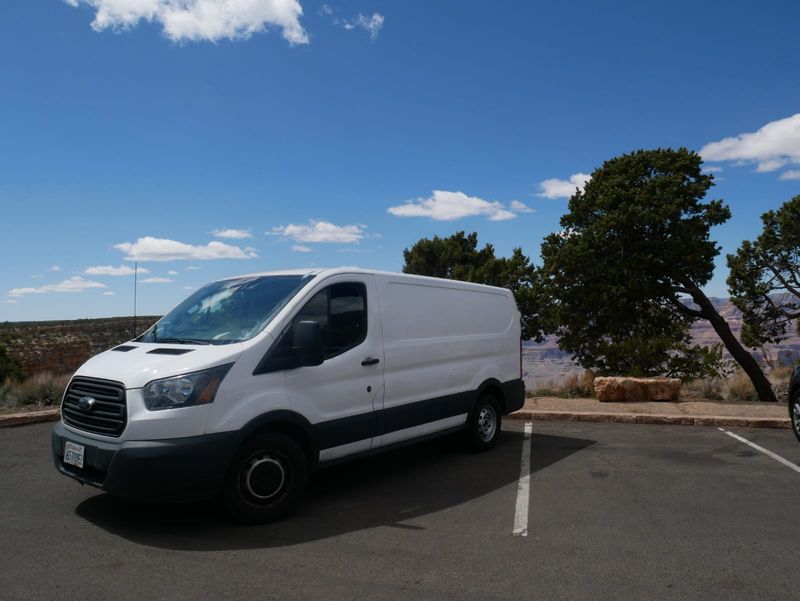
point(764, 279)
point(635, 244)
point(457, 257)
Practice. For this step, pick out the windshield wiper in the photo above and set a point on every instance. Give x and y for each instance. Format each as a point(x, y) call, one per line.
point(183, 341)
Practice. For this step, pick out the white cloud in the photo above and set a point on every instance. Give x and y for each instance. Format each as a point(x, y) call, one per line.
point(520, 207)
point(299, 248)
point(109, 293)
point(201, 20)
point(122, 270)
point(73, 284)
point(770, 165)
point(233, 234)
point(773, 146)
point(791, 174)
point(54, 268)
point(449, 206)
point(371, 24)
point(24, 291)
point(9, 301)
point(162, 249)
point(316, 231)
point(188, 288)
point(192, 268)
point(563, 188)
point(712, 168)
point(172, 272)
point(156, 280)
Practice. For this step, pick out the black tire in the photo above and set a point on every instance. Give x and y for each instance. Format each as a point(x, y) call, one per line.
point(794, 412)
point(483, 424)
point(267, 479)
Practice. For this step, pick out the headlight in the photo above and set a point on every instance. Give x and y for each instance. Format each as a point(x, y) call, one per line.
point(198, 388)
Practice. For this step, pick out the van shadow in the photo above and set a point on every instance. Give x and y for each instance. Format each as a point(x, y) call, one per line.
point(391, 489)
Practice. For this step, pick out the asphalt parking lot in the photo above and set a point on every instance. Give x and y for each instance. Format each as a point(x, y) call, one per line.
point(616, 511)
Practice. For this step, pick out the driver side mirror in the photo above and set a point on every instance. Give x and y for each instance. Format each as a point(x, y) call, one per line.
point(308, 348)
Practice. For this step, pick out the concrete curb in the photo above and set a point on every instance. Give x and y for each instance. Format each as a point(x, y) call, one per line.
point(51, 415)
point(30, 417)
point(652, 418)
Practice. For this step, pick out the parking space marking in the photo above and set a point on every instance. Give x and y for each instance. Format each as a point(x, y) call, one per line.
point(766, 452)
point(524, 485)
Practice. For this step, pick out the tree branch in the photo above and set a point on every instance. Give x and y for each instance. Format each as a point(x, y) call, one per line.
point(693, 313)
point(783, 281)
point(780, 309)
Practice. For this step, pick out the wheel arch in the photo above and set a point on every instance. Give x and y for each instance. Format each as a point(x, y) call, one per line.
point(495, 387)
point(286, 422)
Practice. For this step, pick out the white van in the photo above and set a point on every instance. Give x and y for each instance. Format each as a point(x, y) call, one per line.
point(253, 381)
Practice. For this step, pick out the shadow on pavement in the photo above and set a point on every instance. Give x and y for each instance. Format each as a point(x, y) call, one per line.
point(384, 490)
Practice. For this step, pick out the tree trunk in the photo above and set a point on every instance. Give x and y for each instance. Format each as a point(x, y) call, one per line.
point(735, 348)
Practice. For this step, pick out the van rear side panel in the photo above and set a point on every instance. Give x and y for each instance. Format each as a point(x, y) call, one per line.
point(444, 338)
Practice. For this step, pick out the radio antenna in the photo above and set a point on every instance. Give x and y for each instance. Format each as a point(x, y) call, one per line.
point(135, 281)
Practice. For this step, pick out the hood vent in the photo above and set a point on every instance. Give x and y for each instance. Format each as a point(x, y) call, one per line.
point(124, 348)
point(170, 351)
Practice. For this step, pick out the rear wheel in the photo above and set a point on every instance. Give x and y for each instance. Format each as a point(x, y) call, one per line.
point(483, 424)
point(267, 479)
point(794, 412)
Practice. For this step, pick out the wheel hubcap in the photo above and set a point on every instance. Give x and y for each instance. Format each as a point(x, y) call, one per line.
point(487, 423)
point(263, 477)
point(796, 415)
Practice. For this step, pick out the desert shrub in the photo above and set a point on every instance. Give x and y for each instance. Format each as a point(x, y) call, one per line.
point(573, 386)
point(740, 388)
point(10, 368)
point(41, 390)
point(781, 375)
point(712, 389)
point(548, 389)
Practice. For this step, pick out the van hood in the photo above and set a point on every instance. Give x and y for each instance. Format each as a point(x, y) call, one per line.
point(135, 364)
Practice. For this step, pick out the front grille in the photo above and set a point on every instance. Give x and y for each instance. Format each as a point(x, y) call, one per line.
point(108, 414)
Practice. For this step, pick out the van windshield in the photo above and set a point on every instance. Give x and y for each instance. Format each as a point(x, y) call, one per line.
point(227, 311)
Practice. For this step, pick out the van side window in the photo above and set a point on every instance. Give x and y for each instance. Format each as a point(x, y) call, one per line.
point(341, 312)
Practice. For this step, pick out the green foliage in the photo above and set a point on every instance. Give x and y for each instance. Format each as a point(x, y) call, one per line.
point(633, 242)
point(457, 257)
point(764, 279)
point(10, 368)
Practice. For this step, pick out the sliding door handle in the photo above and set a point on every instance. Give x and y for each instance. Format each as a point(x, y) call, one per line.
point(370, 361)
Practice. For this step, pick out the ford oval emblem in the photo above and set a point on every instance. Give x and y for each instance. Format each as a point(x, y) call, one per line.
point(86, 403)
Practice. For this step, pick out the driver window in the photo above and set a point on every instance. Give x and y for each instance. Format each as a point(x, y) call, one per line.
point(341, 312)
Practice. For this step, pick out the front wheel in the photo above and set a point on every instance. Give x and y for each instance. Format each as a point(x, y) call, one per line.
point(267, 479)
point(483, 424)
point(794, 413)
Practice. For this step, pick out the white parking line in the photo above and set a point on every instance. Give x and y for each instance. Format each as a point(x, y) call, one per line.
point(524, 485)
point(766, 452)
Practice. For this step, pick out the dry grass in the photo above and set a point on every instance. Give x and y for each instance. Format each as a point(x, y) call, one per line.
point(712, 389)
point(780, 376)
point(739, 388)
point(41, 390)
point(573, 386)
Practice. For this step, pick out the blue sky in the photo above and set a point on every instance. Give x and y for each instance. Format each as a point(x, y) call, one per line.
point(341, 133)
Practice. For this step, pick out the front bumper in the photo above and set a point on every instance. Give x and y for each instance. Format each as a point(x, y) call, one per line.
point(177, 469)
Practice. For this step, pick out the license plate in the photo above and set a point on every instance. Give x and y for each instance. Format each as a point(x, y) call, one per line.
point(73, 454)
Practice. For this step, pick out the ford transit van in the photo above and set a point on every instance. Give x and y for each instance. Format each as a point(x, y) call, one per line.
point(254, 381)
